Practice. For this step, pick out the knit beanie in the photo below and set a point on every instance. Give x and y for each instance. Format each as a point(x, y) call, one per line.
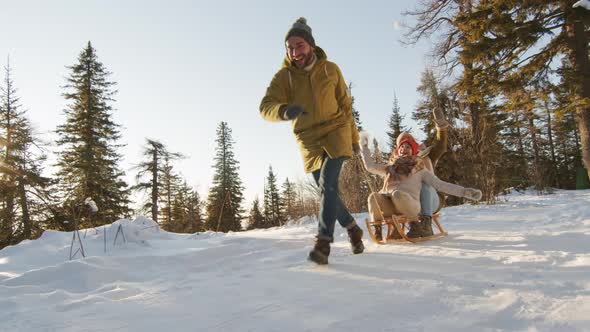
point(407, 138)
point(301, 29)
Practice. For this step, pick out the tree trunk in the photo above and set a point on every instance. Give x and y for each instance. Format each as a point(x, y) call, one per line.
point(577, 42)
point(552, 146)
point(155, 185)
point(24, 203)
point(536, 166)
point(520, 143)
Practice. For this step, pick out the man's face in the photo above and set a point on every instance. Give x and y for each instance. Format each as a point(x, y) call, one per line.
point(299, 51)
point(405, 150)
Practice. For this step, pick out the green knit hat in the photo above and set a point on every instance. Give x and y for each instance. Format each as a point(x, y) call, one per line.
point(301, 29)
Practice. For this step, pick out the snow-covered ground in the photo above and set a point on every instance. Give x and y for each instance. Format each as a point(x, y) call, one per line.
point(520, 265)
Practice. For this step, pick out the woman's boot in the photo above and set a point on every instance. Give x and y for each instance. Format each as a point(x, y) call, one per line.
point(415, 230)
point(426, 222)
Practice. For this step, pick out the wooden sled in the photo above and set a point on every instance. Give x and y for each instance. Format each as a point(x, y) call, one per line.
point(399, 222)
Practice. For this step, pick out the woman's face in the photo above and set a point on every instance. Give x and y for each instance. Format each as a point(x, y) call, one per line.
point(405, 150)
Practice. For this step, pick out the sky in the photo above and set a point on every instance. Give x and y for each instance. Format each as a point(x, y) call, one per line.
point(519, 265)
point(184, 66)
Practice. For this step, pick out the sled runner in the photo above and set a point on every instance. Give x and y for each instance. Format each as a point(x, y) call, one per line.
point(399, 222)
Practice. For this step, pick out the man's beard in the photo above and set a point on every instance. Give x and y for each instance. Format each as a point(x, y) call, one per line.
point(308, 60)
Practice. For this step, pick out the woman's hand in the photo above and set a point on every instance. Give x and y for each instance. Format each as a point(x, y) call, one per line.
point(472, 194)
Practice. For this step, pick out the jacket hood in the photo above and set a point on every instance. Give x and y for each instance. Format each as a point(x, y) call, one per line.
point(319, 53)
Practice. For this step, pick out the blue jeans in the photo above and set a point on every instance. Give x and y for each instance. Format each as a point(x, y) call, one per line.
point(429, 200)
point(331, 206)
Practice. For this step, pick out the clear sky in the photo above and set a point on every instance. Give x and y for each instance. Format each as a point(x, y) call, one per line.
point(181, 67)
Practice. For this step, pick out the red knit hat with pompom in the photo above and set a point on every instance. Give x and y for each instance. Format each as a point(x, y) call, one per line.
point(407, 138)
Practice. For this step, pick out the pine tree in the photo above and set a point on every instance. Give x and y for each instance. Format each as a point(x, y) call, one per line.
point(170, 189)
point(521, 41)
point(567, 137)
point(10, 119)
point(256, 219)
point(22, 187)
point(289, 201)
point(155, 153)
point(224, 212)
point(395, 125)
point(194, 215)
point(185, 211)
point(455, 25)
point(355, 113)
point(273, 212)
point(87, 163)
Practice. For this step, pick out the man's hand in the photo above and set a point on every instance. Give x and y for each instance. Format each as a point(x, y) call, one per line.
point(292, 112)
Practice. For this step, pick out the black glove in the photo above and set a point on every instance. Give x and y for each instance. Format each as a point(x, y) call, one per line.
point(292, 111)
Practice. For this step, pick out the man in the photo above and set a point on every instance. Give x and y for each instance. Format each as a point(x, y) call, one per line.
point(310, 92)
point(429, 198)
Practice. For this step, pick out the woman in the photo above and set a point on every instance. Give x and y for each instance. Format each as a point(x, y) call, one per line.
point(403, 180)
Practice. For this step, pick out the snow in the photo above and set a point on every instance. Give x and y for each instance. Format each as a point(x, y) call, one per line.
point(520, 265)
point(91, 205)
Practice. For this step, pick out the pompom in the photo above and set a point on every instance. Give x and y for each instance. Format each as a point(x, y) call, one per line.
point(302, 20)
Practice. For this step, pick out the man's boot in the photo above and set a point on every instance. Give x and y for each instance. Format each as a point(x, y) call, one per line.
point(355, 234)
point(321, 250)
point(426, 226)
point(378, 232)
point(415, 230)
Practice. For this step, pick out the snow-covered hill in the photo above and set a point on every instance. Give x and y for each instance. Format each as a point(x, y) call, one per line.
point(520, 265)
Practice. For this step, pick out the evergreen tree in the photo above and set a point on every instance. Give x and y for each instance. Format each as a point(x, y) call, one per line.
point(355, 113)
point(153, 167)
point(185, 211)
point(88, 162)
point(256, 219)
point(171, 188)
point(273, 212)
point(475, 90)
point(21, 185)
point(289, 201)
point(224, 212)
point(567, 135)
point(10, 121)
point(395, 125)
point(520, 42)
point(194, 213)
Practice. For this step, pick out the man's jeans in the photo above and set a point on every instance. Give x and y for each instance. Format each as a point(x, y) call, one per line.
point(429, 200)
point(331, 206)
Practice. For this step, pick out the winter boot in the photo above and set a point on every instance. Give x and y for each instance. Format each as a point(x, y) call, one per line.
point(415, 230)
point(378, 232)
point(355, 234)
point(426, 226)
point(321, 251)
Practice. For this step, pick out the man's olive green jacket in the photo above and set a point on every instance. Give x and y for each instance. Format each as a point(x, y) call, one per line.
point(326, 125)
